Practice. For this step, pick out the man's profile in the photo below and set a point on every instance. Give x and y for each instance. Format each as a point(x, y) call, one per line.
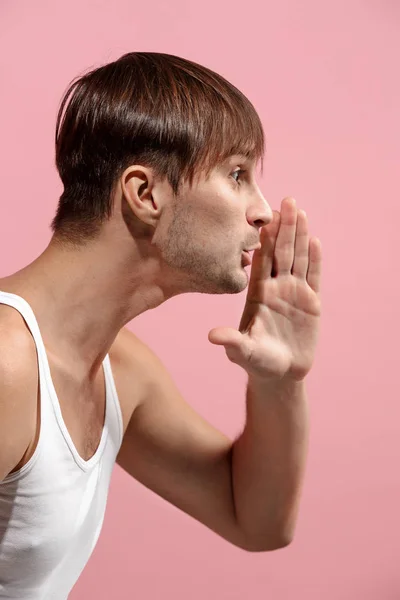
point(158, 159)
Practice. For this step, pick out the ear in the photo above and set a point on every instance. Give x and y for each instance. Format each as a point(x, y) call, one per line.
point(138, 185)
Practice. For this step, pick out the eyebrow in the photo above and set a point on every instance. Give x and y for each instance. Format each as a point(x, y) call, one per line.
point(239, 157)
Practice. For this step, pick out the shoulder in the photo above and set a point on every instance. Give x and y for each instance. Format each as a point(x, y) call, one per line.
point(130, 352)
point(18, 389)
point(17, 346)
point(136, 369)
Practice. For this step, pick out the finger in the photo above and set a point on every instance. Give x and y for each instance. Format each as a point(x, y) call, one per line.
point(265, 255)
point(301, 250)
point(284, 247)
point(315, 265)
point(224, 336)
point(262, 263)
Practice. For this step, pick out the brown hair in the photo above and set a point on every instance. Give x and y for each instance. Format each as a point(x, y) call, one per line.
point(159, 110)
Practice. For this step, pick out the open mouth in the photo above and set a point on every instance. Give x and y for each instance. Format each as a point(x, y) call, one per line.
point(246, 257)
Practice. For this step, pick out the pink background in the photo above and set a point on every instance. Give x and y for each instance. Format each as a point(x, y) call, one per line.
point(325, 80)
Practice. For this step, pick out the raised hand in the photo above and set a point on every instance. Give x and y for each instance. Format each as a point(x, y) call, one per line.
point(278, 331)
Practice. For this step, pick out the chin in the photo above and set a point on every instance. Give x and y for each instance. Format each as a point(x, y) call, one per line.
point(211, 278)
point(231, 283)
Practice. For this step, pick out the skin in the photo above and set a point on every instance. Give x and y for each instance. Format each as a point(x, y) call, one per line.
point(208, 228)
point(154, 247)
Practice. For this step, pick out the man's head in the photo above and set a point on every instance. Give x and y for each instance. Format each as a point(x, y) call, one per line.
point(178, 145)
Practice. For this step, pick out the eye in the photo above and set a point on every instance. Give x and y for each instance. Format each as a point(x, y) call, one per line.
point(236, 175)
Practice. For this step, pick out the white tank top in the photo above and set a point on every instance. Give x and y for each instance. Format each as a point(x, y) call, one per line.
point(52, 509)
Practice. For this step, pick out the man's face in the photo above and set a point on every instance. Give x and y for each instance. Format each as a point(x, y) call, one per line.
point(208, 227)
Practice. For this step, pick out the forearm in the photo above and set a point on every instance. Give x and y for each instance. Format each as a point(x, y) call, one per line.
point(268, 462)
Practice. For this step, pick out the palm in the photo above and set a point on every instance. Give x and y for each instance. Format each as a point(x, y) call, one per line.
point(282, 326)
point(278, 331)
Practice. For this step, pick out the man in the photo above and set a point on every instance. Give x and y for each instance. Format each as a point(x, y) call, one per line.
point(158, 159)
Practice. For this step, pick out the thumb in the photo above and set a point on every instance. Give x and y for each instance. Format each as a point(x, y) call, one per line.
point(222, 336)
point(225, 336)
point(235, 346)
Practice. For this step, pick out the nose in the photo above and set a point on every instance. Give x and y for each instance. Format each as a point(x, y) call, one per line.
point(259, 212)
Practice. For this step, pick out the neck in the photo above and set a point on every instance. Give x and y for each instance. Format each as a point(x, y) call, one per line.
point(83, 297)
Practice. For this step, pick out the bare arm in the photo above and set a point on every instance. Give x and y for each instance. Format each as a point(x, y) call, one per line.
point(269, 460)
point(18, 398)
point(174, 452)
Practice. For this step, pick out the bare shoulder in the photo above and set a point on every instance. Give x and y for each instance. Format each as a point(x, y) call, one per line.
point(128, 347)
point(142, 381)
point(17, 346)
point(131, 355)
point(18, 389)
point(134, 367)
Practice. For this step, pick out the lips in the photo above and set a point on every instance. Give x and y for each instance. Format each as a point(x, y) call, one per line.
point(257, 247)
point(246, 257)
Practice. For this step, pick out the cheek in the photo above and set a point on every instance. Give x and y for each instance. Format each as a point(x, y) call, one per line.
point(217, 219)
